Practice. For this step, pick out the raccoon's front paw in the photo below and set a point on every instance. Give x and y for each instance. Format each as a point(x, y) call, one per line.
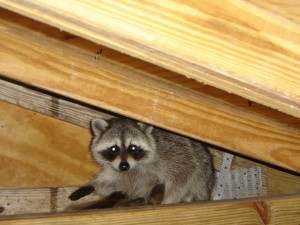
point(81, 192)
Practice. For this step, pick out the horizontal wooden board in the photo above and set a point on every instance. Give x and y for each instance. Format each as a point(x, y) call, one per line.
point(49, 104)
point(280, 210)
point(233, 45)
point(41, 61)
point(20, 201)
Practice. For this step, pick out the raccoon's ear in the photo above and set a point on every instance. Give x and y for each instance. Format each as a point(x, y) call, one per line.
point(98, 126)
point(145, 128)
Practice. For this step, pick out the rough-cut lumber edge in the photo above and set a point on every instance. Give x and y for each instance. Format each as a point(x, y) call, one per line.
point(225, 48)
point(275, 210)
point(48, 103)
point(49, 64)
point(17, 201)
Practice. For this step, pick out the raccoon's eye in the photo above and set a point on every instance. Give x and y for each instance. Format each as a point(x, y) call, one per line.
point(114, 149)
point(132, 148)
point(136, 152)
point(110, 153)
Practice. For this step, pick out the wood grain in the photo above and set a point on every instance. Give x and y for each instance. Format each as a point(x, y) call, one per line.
point(286, 9)
point(41, 61)
point(37, 150)
point(20, 201)
point(90, 48)
point(280, 183)
point(280, 210)
point(232, 45)
point(49, 104)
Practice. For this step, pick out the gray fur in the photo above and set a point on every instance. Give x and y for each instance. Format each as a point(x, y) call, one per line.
point(182, 165)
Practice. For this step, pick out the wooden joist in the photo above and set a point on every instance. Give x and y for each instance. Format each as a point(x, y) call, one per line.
point(39, 60)
point(276, 210)
point(244, 47)
point(48, 103)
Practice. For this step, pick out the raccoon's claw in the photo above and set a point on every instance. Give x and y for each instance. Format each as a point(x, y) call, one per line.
point(81, 192)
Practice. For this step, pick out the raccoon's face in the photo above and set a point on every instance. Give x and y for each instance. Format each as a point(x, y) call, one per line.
point(122, 143)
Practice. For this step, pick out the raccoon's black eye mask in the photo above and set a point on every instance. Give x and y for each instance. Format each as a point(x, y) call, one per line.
point(111, 153)
point(136, 152)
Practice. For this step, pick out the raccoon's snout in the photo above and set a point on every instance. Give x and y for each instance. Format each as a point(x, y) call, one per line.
point(124, 166)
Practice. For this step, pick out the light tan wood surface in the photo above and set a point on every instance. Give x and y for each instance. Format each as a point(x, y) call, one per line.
point(286, 9)
point(37, 150)
point(280, 183)
point(280, 210)
point(233, 45)
point(45, 62)
point(173, 79)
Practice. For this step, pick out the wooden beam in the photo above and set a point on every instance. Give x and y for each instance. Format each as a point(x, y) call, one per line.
point(15, 201)
point(49, 104)
point(232, 45)
point(38, 60)
point(284, 209)
point(280, 182)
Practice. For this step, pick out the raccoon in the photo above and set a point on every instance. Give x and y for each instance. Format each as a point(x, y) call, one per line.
point(136, 157)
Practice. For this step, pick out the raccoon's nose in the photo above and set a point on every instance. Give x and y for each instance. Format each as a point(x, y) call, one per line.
point(124, 166)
